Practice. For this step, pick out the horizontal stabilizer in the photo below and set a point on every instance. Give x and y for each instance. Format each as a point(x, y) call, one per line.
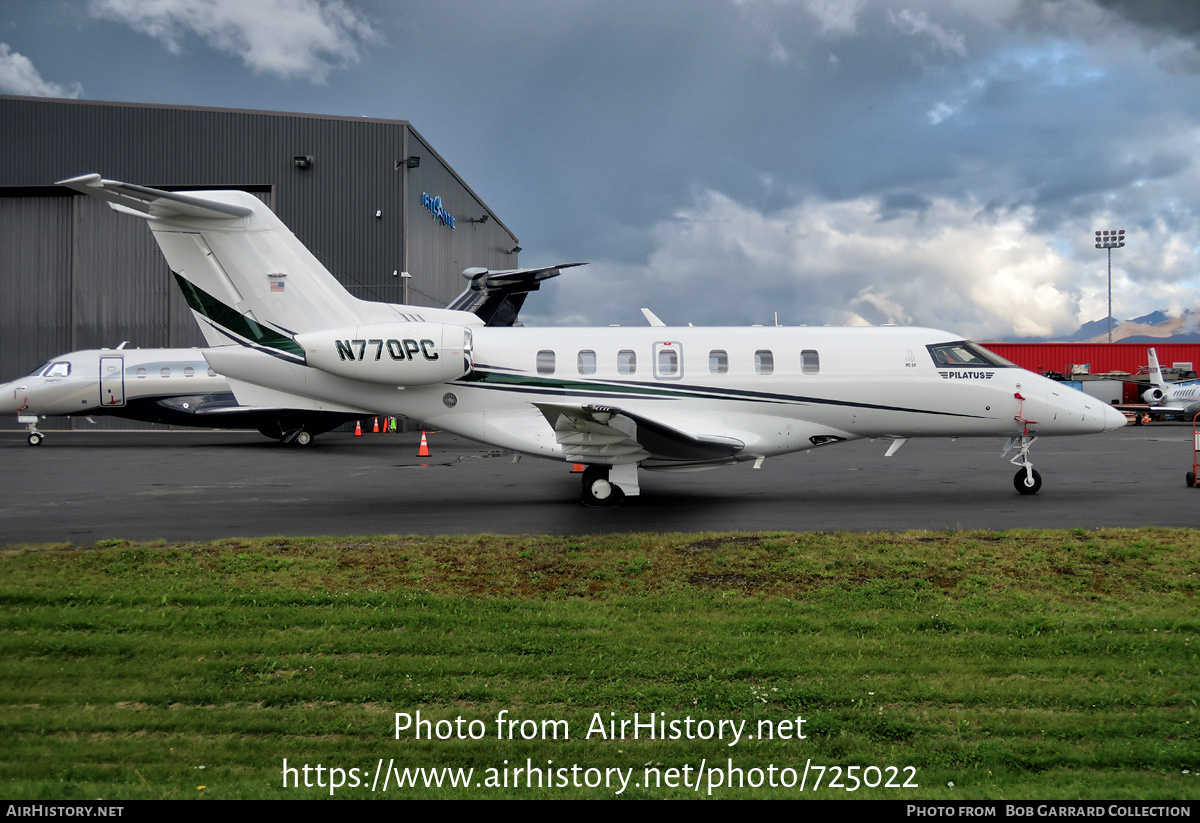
point(603, 434)
point(496, 297)
point(147, 202)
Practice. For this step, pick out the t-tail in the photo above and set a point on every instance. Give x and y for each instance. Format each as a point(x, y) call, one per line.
point(246, 277)
point(1156, 375)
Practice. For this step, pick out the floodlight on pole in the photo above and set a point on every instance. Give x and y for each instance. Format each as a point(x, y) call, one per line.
point(1110, 239)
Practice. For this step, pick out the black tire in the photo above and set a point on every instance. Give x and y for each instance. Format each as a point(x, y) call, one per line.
point(1024, 486)
point(35, 438)
point(598, 490)
point(1191, 480)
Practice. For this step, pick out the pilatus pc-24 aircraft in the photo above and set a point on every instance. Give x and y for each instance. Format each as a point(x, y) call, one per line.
point(285, 332)
point(153, 385)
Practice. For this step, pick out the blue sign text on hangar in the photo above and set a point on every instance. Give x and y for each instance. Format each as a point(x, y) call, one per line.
point(434, 205)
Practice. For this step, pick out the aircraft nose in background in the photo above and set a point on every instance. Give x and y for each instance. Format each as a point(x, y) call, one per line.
point(1113, 419)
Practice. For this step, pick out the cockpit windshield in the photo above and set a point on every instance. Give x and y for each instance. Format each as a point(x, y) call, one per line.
point(57, 368)
point(964, 353)
point(38, 371)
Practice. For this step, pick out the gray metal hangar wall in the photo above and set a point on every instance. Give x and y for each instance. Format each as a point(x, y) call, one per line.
point(76, 275)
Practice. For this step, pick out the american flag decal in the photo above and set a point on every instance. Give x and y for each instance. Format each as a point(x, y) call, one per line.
point(277, 285)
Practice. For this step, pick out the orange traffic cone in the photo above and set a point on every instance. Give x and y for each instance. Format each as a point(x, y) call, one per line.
point(376, 425)
point(358, 428)
point(424, 450)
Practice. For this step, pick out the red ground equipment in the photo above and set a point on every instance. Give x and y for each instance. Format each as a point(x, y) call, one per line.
point(1191, 476)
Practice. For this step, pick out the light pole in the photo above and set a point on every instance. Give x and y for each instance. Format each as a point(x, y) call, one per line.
point(1112, 239)
point(405, 277)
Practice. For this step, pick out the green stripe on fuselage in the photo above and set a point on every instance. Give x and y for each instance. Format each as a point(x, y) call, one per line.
point(201, 301)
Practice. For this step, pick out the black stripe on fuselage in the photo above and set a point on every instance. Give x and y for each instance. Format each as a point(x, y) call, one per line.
point(641, 391)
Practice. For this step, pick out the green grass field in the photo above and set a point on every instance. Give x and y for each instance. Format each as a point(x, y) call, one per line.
point(975, 665)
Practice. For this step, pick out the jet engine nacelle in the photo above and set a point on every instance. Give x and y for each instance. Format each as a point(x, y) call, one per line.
point(394, 354)
point(1154, 395)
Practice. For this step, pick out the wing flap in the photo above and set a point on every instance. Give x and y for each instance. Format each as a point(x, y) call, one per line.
point(606, 434)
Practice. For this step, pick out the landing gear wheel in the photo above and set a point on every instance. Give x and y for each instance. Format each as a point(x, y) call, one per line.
point(35, 438)
point(303, 438)
point(1191, 480)
point(598, 490)
point(1026, 485)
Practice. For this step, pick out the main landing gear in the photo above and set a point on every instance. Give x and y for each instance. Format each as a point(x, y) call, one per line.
point(598, 490)
point(298, 437)
point(609, 485)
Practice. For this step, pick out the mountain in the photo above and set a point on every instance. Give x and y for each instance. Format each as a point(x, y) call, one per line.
point(1155, 327)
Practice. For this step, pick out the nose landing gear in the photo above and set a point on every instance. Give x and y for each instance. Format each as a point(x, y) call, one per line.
point(1026, 480)
point(35, 437)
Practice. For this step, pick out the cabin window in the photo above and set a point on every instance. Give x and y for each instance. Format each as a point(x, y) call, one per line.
point(587, 362)
point(60, 369)
point(545, 362)
point(211, 373)
point(626, 361)
point(166, 371)
point(764, 361)
point(810, 361)
point(188, 371)
point(141, 372)
point(718, 361)
point(668, 362)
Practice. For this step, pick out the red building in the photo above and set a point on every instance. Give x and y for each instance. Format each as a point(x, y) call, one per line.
point(1102, 357)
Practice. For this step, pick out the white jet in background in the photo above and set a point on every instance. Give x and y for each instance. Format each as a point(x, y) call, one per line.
point(174, 386)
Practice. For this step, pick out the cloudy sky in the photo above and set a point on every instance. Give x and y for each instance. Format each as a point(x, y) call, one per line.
point(932, 162)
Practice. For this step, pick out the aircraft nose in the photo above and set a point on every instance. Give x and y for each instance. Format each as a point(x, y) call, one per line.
point(1113, 419)
point(10, 397)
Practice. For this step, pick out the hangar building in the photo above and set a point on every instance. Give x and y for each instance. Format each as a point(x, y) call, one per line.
point(370, 198)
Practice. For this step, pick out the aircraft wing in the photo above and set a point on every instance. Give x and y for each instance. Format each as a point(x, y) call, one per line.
point(1144, 407)
point(496, 297)
point(142, 201)
point(604, 434)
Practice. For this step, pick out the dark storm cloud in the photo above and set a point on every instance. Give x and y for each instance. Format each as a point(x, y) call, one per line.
point(854, 161)
point(1173, 25)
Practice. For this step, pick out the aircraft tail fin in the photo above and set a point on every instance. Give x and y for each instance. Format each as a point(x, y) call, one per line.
point(246, 277)
point(1156, 375)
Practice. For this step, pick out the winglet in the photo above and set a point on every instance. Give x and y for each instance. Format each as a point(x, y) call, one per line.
point(652, 318)
point(147, 202)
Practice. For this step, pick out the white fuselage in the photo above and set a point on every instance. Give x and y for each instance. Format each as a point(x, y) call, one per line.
point(93, 380)
point(821, 385)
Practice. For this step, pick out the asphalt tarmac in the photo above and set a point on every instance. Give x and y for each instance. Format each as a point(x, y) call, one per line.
point(80, 487)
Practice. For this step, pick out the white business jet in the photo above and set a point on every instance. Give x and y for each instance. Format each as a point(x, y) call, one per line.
point(285, 332)
point(1182, 398)
point(174, 386)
